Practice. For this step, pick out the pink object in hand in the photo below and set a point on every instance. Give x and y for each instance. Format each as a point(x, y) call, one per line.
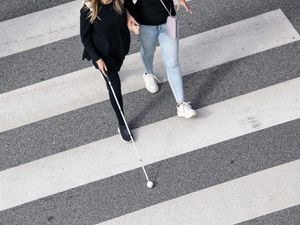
point(172, 26)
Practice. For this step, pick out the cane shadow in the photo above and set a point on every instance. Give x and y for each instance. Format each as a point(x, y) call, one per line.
point(153, 171)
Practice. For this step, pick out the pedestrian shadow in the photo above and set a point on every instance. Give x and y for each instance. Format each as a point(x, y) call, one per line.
point(213, 77)
point(152, 104)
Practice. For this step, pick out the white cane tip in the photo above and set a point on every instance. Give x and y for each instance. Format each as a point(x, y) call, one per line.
point(150, 184)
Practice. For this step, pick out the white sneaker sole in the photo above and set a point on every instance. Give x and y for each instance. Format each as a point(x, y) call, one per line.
point(187, 117)
point(151, 90)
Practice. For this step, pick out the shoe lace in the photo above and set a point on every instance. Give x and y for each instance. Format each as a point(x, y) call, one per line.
point(151, 75)
point(188, 104)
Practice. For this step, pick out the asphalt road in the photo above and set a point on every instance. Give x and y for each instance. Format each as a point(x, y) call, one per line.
point(202, 168)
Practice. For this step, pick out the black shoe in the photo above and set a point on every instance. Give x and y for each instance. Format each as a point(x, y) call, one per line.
point(124, 133)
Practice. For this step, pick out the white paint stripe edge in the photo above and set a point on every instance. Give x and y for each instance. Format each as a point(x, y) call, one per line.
point(107, 157)
point(39, 28)
point(85, 87)
point(232, 202)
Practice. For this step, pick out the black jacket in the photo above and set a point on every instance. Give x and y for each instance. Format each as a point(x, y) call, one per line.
point(107, 38)
point(152, 12)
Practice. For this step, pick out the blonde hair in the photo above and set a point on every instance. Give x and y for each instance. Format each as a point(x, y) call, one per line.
point(94, 7)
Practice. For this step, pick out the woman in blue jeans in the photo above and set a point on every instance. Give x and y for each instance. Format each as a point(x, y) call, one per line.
point(152, 16)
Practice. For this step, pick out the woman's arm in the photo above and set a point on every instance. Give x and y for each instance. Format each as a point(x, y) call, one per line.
point(132, 24)
point(130, 7)
point(85, 34)
point(185, 5)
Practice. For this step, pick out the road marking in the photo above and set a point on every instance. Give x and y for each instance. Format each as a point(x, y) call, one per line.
point(219, 122)
point(85, 87)
point(39, 28)
point(232, 202)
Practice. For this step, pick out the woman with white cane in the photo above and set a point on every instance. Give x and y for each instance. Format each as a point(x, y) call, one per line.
point(106, 39)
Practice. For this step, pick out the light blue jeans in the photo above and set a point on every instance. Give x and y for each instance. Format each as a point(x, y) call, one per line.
point(170, 54)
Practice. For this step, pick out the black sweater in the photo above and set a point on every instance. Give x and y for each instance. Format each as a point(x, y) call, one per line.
point(152, 12)
point(108, 38)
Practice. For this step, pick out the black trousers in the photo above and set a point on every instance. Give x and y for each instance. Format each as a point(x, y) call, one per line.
point(116, 83)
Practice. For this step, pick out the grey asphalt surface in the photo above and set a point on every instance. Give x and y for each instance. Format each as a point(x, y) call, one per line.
point(202, 168)
point(174, 177)
point(288, 216)
point(17, 8)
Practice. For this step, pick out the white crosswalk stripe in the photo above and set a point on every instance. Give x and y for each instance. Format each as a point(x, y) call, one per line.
point(254, 195)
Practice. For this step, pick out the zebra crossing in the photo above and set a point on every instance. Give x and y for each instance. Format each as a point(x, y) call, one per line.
point(62, 161)
point(226, 199)
point(91, 162)
point(80, 88)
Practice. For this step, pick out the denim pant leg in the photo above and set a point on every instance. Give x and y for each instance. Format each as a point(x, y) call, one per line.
point(170, 54)
point(148, 39)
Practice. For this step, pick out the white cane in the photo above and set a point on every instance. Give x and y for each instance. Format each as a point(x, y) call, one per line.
point(150, 184)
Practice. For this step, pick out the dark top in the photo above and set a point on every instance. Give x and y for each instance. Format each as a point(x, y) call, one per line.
point(152, 12)
point(108, 38)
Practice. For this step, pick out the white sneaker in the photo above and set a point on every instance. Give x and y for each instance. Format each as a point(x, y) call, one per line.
point(151, 82)
point(185, 110)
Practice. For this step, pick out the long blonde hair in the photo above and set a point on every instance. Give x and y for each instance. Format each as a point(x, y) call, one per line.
point(94, 7)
